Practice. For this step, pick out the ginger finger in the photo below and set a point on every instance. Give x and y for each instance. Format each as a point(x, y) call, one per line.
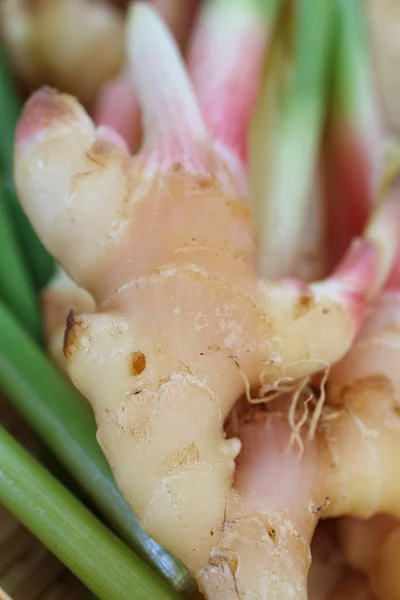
point(264, 549)
point(361, 420)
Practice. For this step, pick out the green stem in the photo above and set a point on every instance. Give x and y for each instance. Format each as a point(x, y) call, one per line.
point(355, 142)
point(55, 410)
point(286, 173)
point(353, 93)
point(10, 106)
point(40, 262)
point(15, 285)
point(69, 530)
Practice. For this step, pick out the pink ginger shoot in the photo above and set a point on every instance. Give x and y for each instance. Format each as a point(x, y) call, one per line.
point(225, 58)
point(117, 105)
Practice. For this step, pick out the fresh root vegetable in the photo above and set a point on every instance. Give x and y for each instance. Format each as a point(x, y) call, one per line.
point(361, 421)
point(269, 521)
point(58, 43)
point(56, 413)
point(373, 547)
point(184, 327)
point(59, 298)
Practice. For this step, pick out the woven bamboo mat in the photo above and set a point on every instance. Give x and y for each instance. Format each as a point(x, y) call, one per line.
point(28, 571)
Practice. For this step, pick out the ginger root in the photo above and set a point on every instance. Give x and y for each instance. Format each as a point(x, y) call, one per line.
point(184, 326)
point(361, 420)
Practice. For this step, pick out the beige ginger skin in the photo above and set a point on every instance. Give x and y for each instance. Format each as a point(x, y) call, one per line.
point(361, 421)
point(184, 327)
point(361, 431)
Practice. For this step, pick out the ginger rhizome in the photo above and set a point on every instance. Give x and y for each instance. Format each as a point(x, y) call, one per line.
point(183, 325)
point(360, 423)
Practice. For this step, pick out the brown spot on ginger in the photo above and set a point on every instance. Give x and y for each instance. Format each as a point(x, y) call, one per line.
point(272, 533)
point(137, 363)
point(303, 305)
point(220, 561)
point(184, 457)
point(73, 331)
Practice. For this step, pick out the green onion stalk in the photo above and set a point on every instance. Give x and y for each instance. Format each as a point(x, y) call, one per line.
point(16, 288)
point(41, 263)
point(56, 412)
point(287, 133)
point(70, 531)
